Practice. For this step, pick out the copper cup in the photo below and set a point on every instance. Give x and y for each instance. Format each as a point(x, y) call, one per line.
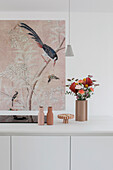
point(81, 110)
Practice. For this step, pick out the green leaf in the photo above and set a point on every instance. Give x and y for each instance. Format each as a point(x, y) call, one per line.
point(67, 85)
point(68, 79)
point(89, 90)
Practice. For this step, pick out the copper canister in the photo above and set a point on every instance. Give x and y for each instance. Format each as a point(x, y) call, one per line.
point(81, 110)
point(50, 116)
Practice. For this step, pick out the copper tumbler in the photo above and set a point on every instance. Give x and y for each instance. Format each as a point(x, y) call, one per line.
point(81, 110)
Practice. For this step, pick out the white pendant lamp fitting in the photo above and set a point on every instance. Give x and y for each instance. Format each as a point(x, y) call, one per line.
point(69, 51)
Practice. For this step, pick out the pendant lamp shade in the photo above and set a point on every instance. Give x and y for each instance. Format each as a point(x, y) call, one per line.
point(69, 51)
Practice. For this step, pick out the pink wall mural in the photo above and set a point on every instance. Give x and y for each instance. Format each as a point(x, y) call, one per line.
point(32, 64)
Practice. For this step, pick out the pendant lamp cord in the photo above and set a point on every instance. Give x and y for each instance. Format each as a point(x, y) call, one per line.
point(69, 22)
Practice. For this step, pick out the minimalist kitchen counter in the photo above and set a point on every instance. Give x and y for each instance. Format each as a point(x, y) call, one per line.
point(30, 146)
point(95, 126)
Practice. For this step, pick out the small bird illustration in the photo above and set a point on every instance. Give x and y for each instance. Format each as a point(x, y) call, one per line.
point(14, 97)
point(50, 77)
point(47, 49)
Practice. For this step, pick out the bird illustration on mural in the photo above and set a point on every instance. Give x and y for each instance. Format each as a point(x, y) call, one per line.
point(47, 49)
point(50, 77)
point(14, 97)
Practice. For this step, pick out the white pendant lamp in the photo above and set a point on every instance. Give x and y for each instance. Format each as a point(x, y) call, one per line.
point(69, 51)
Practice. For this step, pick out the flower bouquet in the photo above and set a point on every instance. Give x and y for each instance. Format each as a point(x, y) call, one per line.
point(82, 89)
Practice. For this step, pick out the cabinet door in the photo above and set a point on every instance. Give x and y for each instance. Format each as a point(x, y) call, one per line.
point(4, 153)
point(40, 153)
point(92, 153)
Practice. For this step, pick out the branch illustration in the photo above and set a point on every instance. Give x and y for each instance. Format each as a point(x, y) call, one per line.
point(34, 85)
point(39, 74)
point(59, 47)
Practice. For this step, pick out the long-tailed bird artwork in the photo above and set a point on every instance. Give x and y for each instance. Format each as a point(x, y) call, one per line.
point(14, 97)
point(47, 49)
point(50, 77)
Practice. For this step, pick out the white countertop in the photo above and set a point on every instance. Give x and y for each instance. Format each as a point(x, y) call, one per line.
point(95, 126)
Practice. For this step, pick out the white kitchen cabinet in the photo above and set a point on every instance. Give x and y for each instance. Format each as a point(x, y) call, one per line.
point(4, 153)
point(40, 152)
point(92, 153)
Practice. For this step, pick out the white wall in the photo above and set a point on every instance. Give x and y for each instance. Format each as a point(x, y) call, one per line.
point(92, 41)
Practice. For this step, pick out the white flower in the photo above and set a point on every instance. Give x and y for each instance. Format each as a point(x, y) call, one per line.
point(78, 87)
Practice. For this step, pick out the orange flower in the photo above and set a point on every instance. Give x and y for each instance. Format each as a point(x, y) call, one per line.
point(81, 91)
point(80, 81)
point(92, 89)
point(84, 79)
point(86, 85)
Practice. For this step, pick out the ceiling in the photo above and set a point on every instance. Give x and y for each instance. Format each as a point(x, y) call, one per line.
point(57, 5)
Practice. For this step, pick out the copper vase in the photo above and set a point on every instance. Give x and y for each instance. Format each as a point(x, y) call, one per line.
point(50, 116)
point(81, 110)
point(41, 116)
